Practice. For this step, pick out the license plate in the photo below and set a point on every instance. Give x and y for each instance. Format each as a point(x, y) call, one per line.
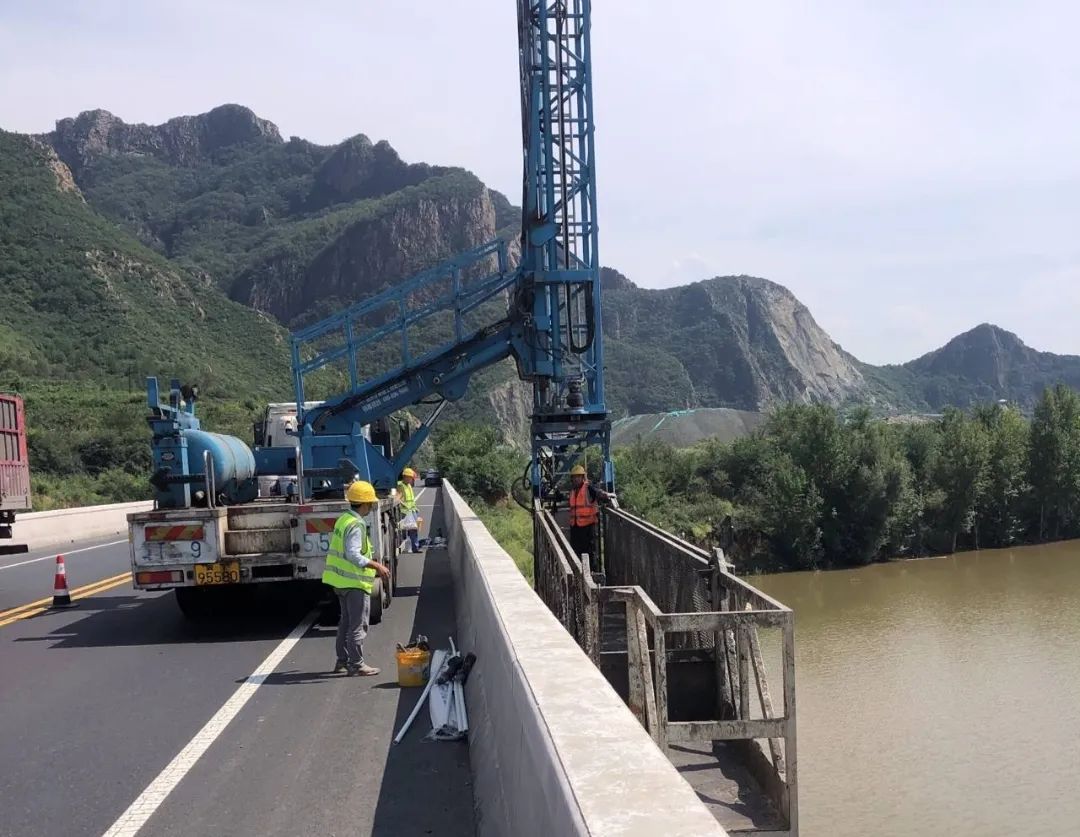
point(225, 573)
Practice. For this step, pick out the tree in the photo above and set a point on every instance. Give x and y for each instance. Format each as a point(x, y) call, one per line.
point(1004, 502)
point(1054, 460)
point(476, 462)
point(961, 472)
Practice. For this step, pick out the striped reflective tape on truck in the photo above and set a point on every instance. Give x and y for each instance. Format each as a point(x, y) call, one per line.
point(190, 532)
point(318, 525)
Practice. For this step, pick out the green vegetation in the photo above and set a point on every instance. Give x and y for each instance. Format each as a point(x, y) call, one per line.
point(813, 489)
point(483, 470)
point(476, 461)
point(816, 489)
point(512, 527)
point(83, 301)
point(87, 313)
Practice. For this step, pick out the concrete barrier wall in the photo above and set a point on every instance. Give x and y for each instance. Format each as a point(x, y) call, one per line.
point(65, 526)
point(554, 750)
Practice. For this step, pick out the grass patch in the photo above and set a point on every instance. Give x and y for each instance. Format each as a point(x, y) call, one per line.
point(512, 528)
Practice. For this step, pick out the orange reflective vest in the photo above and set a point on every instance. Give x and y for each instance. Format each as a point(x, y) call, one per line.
point(583, 511)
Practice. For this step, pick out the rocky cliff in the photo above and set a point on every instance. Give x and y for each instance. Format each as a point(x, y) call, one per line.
point(744, 342)
point(181, 141)
point(367, 255)
point(290, 228)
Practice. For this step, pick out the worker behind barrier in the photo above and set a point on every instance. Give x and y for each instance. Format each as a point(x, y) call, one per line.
point(351, 571)
point(585, 515)
point(411, 520)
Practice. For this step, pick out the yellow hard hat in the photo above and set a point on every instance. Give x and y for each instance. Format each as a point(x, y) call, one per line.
point(361, 492)
point(408, 472)
point(577, 471)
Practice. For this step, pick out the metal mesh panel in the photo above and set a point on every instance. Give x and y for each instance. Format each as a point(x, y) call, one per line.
point(673, 573)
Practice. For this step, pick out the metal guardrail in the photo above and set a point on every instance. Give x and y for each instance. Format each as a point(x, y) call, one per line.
point(694, 603)
point(566, 587)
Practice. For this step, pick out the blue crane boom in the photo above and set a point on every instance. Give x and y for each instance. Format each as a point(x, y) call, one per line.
point(552, 326)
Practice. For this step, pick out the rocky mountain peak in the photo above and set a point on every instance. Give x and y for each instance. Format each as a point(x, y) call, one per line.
point(996, 364)
point(180, 141)
point(612, 280)
point(358, 169)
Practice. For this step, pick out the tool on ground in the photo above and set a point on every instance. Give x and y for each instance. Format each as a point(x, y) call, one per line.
point(446, 703)
point(61, 595)
point(436, 661)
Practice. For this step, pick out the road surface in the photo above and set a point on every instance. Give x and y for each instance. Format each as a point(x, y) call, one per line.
point(118, 717)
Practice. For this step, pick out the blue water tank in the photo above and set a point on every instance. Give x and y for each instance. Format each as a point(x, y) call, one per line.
point(234, 464)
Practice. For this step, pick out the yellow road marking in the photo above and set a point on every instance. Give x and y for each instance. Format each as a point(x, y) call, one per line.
point(41, 605)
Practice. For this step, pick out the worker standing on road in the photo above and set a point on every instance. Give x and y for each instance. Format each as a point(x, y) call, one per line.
point(408, 505)
point(351, 570)
point(584, 515)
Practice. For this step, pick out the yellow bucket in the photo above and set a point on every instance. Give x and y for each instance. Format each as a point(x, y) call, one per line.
point(412, 667)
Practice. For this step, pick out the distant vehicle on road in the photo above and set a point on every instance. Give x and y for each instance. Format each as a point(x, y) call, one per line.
point(14, 464)
point(432, 478)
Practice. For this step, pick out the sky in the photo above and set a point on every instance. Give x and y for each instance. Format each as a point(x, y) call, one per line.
point(909, 170)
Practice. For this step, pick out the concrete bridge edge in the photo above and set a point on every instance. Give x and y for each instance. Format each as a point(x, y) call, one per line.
point(553, 748)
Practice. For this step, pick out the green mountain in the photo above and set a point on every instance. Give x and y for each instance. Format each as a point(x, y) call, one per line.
point(287, 227)
point(981, 366)
point(82, 299)
point(189, 248)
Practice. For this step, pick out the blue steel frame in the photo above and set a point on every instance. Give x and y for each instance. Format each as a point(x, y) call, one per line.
point(553, 328)
point(560, 266)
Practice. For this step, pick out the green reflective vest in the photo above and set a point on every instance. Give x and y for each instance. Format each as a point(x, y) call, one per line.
point(340, 571)
point(408, 498)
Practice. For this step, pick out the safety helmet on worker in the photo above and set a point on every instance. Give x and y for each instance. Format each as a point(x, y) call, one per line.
point(577, 471)
point(408, 472)
point(360, 492)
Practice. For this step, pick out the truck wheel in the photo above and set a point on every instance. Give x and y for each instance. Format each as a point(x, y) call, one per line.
point(375, 617)
point(196, 605)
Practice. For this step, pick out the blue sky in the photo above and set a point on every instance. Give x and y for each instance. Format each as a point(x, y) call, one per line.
point(908, 170)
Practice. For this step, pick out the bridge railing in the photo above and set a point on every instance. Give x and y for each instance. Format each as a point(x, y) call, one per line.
point(692, 651)
point(565, 586)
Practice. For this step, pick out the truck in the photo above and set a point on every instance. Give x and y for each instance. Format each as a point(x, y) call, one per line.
point(229, 517)
point(14, 468)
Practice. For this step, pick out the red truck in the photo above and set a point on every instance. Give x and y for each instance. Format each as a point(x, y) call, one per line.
point(14, 466)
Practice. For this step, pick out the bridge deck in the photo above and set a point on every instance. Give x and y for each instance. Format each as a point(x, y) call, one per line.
point(715, 771)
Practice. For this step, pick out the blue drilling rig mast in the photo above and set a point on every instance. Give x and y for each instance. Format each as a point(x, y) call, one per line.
point(552, 326)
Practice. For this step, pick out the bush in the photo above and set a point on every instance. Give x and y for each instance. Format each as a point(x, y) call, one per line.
point(476, 462)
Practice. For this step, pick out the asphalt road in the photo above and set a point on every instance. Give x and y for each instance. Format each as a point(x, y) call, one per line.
point(226, 729)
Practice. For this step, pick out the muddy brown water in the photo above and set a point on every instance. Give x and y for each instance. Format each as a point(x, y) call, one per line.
point(939, 696)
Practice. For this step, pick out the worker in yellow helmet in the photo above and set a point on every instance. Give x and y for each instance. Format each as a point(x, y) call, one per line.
point(584, 515)
point(351, 570)
point(407, 498)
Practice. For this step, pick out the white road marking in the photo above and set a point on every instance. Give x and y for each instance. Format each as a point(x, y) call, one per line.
point(52, 557)
point(135, 817)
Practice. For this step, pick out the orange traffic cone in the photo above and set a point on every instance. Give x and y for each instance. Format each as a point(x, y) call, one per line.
point(61, 597)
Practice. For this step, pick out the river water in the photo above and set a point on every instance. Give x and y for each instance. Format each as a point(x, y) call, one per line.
point(939, 696)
